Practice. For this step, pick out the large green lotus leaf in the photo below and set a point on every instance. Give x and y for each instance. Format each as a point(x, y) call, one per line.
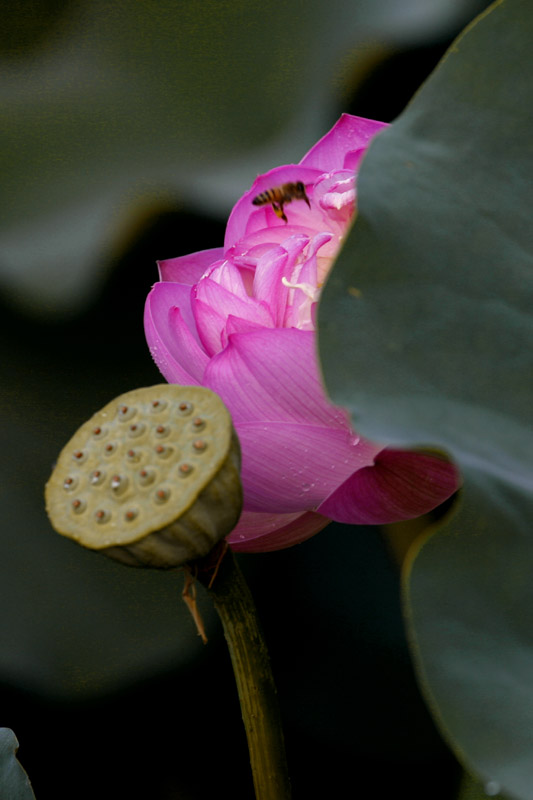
point(469, 600)
point(431, 306)
point(14, 783)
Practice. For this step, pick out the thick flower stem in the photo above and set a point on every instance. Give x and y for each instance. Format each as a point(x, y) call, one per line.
point(257, 692)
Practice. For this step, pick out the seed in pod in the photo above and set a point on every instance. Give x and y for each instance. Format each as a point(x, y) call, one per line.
point(150, 504)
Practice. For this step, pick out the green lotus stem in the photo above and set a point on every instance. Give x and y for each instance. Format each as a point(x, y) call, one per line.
point(255, 683)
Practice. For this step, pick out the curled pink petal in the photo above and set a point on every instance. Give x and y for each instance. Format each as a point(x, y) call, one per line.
point(350, 135)
point(263, 533)
point(401, 485)
point(188, 354)
point(240, 325)
point(189, 269)
point(166, 331)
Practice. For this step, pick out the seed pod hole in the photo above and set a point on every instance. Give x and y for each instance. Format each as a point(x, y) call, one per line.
point(119, 484)
point(78, 506)
point(126, 412)
point(101, 516)
point(136, 429)
point(163, 451)
point(97, 477)
point(161, 496)
point(146, 477)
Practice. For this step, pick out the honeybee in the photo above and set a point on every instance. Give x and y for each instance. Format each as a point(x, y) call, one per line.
point(280, 195)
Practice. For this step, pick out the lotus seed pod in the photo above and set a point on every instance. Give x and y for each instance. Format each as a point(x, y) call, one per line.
point(152, 479)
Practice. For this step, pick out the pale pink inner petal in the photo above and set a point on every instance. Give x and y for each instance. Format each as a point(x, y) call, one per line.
point(304, 293)
point(228, 276)
point(335, 195)
point(212, 305)
point(271, 269)
point(267, 282)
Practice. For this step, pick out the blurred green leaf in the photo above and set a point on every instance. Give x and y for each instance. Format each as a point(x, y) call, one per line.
point(14, 783)
point(110, 111)
point(437, 349)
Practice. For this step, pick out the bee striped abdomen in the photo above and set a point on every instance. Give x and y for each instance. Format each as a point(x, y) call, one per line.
point(264, 198)
point(279, 195)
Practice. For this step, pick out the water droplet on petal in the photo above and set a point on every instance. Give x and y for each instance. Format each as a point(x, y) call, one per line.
point(492, 788)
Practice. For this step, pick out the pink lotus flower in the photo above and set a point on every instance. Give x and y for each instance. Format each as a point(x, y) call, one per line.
point(240, 320)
